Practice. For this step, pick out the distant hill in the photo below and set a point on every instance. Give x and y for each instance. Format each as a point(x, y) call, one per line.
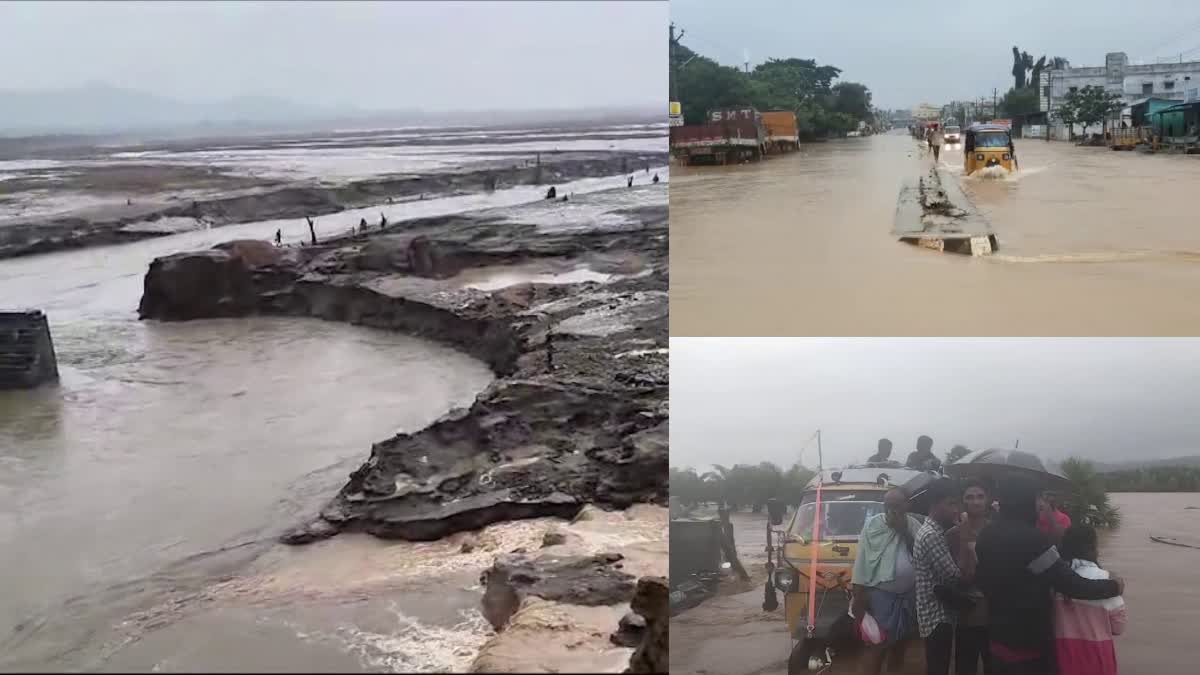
point(97, 109)
point(1109, 467)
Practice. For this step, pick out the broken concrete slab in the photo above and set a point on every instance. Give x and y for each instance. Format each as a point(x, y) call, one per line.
point(934, 213)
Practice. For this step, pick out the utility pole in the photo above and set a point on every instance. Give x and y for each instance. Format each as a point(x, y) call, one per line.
point(995, 112)
point(675, 62)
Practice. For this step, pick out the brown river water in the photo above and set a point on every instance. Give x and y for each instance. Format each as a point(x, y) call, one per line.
point(731, 635)
point(169, 458)
point(1092, 242)
point(141, 498)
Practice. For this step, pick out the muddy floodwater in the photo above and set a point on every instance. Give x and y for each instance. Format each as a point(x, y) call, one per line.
point(731, 635)
point(1092, 242)
point(141, 498)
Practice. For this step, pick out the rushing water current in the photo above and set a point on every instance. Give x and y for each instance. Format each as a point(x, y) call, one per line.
point(140, 497)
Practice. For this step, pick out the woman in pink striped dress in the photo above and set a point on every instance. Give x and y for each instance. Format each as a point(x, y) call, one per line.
point(1084, 629)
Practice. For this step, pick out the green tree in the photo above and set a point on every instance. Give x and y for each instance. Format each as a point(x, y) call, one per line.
point(1154, 479)
point(853, 99)
point(1093, 104)
point(789, 82)
point(1017, 103)
point(800, 85)
point(1068, 113)
point(686, 486)
point(1087, 502)
point(705, 85)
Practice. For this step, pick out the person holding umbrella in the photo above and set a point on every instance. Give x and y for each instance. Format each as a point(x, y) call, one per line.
point(1017, 570)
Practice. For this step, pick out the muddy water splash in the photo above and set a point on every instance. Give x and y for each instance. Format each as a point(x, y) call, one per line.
point(800, 245)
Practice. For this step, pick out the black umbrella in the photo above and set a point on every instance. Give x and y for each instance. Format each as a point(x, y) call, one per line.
point(997, 464)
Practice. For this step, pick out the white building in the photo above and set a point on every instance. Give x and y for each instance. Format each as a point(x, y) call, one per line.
point(1177, 81)
point(927, 111)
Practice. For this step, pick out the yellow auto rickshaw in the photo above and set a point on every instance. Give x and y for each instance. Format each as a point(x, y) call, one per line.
point(848, 497)
point(988, 145)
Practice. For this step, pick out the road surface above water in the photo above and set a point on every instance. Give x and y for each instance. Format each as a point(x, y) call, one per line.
point(1092, 242)
point(171, 455)
point(731, 635)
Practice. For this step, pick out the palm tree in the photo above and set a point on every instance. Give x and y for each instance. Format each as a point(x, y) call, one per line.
point(1088, 503)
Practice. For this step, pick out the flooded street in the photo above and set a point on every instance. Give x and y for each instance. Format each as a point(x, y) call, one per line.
point(140, 498)
point(1092, 242)
point(732, 635)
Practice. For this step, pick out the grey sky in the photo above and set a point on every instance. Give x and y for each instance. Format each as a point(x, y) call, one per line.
point(385, 55)
point(924, 51)
point(746, 400)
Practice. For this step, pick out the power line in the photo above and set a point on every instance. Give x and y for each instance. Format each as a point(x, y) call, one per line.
point(1173, 38)
point(1176, 36)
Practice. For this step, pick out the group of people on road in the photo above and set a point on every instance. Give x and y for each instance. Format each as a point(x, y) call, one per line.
point(1002, 581)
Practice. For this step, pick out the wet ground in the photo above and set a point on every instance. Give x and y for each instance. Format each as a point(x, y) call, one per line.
point(96, 178)
point(1092, 242)
point(732, 635)
point(171, 456)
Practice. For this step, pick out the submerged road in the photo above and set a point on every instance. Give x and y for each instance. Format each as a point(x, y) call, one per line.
point(1092, 242)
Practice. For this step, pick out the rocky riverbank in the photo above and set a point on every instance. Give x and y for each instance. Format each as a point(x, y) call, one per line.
point(131, 202)
point(567, 303)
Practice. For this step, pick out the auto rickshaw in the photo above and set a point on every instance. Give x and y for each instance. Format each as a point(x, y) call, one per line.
point(848, 497)
point(988, 145)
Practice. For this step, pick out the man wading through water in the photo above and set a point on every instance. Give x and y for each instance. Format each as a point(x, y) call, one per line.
point(936, 139)
point(884, 580)
point(1018, 569)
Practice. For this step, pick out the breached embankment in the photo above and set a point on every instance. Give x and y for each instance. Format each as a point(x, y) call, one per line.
point(271, 200)
point(578, 413)
point(934, 213)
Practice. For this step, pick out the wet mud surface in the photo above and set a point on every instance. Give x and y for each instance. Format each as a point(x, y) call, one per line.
point(54, 199)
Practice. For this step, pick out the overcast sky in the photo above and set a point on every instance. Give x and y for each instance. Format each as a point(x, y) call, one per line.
point(746, 400)
point(924, 51)
point(385, 55)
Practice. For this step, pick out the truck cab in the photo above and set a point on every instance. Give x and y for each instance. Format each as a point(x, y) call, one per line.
point(952, 134)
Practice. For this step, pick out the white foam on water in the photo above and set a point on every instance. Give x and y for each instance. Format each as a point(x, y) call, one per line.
point(415, 647)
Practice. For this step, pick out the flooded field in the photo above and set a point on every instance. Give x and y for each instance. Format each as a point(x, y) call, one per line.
point(140, 499)
point(732, 635)
point(1092, 242)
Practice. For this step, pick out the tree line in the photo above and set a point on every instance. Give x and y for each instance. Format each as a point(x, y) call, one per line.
point(1154, 479)
point(749, 486)
point(822, 107)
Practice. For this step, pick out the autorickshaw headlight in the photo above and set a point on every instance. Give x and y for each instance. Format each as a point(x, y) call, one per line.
point(979, 156)
point(786, 579)
point(1006, 156)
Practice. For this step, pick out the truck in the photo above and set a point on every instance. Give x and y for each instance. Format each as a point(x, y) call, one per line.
point(731, 135)
point(782, 132)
